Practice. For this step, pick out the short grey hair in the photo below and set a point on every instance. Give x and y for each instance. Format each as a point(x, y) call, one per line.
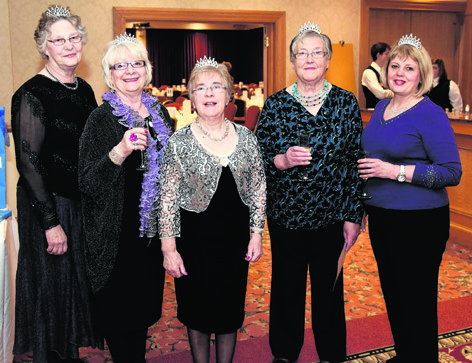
point(44, 25)
point(310, 34)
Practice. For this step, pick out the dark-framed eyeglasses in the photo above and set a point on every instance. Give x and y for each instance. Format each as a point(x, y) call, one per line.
point(62, 41)
point(201, 90)
point(315, 54)
point(124, 65)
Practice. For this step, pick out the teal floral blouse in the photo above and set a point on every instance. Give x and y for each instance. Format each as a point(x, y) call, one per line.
point(333, 193)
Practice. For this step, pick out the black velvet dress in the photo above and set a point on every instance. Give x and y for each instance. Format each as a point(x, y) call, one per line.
point(213, 246)
point(52, 292)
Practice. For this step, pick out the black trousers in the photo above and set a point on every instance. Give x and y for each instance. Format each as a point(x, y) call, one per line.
point(294, 252)
point(408, 247)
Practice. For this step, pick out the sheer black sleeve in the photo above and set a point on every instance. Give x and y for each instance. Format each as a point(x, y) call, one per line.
point(28, 133)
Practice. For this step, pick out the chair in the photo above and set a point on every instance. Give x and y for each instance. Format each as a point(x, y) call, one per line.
point(163, 88)
point(162, 99)
point(241, 110)
point(230, 111)
point(180, 100)
point(178, 106)
point(252, 117)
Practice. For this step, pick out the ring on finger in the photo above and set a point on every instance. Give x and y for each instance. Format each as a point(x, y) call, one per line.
point(135, 145)
point(133, 137)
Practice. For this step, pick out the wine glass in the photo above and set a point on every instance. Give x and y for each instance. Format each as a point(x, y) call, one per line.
point(142, 124)
point(304, 141)
point(363, 154)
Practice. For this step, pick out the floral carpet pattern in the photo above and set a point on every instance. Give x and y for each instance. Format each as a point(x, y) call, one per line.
point(363, 298)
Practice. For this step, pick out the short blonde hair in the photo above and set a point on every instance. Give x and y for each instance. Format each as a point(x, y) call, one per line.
point(42, 31)
point(114, 53)
point(423, 59)
point(222, 71)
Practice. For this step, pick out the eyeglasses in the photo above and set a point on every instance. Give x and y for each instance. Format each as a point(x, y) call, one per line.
point(201, 90)
point(315, 54)
point(62, 41)
point(124, 65)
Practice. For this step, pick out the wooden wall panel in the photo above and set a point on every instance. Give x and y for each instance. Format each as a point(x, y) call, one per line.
point(440, 41)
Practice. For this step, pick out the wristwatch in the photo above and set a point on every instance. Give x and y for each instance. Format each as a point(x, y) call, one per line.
point(401, 177)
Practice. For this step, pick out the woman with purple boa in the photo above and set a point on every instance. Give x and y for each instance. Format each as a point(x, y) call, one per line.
point(120, 154)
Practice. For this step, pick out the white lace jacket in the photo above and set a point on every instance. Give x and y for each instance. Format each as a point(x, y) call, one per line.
point(190, 174)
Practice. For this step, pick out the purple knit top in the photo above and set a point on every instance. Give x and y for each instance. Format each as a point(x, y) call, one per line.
point(420, 136)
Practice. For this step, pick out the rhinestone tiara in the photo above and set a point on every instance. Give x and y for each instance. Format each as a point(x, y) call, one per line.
point(125, 38)
point(411, 40)
point(58, 12)
point(206, 62)
point(309, 26)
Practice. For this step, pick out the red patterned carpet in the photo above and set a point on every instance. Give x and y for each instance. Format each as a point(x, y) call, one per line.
point(363, 298)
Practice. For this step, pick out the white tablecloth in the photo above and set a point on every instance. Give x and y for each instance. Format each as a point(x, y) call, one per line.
point(8, 258)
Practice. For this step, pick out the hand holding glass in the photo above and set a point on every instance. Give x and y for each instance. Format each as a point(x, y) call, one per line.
point(143, 166)
point(304, 141)
point(364, 155)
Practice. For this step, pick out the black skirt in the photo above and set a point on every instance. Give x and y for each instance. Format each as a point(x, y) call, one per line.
point(213, 246)
point(52, 310)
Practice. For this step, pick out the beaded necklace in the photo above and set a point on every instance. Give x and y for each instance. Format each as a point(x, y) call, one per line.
point(206, 133)
point(73, 88)
point(309, 101)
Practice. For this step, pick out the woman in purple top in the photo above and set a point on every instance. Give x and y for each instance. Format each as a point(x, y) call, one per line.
point(414, 157)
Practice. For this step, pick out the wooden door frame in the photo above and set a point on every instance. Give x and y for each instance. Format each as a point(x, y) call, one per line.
point(274, 21)
point(367, 5)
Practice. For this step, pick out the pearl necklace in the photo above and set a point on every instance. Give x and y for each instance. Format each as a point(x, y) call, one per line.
point(206, 133)
point(73, 88)
point(314, 100)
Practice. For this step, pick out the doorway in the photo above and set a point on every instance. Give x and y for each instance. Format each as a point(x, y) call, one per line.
point(273, 22)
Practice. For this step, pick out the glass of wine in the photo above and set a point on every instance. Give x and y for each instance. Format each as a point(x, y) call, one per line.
point(364, 155)
point(304, 141)
point(143, 167)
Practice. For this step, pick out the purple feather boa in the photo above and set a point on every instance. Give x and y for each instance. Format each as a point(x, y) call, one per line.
point(149, 196)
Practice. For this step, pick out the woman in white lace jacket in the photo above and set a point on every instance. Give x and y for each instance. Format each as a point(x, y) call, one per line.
point(212, 215)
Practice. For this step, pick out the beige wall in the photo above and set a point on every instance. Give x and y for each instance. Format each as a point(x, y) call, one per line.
point(20, 61)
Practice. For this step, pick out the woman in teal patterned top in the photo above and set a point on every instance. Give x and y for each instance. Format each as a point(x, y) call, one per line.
point(310, 221)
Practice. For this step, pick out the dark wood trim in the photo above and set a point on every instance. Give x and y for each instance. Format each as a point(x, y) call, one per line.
point(274, 21)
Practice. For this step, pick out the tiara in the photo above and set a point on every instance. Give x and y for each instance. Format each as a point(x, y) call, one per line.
point(125, 38)
point(206, 62)
point(58, 12)
point(309, 26)
point(409, 39)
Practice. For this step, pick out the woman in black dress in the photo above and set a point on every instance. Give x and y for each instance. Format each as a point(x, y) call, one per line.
point(49, 112)
point(124, 261)
point(212, 215)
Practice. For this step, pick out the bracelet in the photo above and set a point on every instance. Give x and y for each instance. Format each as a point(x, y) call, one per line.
point(116, 158)
point(254, 231)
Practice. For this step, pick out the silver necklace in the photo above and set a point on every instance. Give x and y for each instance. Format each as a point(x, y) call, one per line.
point(395, 113)
point(206, 133)
point(73, 88)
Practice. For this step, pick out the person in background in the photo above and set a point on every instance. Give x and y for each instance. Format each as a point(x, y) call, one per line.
point(49, 111)
point(414, 158)
point(120, 152)
point(212, 215)
point(374, 91)
point(445, 92)
point(313, 207)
